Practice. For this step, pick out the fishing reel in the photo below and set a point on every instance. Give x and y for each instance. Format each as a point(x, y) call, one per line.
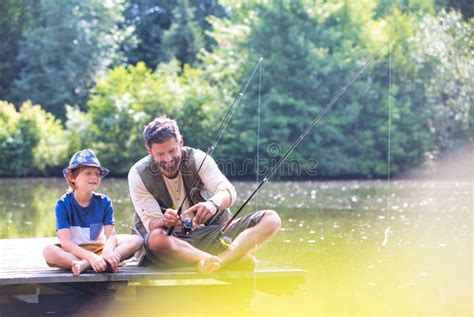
point(188, 225)
point(225, 241)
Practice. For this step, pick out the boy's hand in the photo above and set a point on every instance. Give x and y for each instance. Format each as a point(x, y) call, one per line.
point(113, 258)
point(170, 218)
point(98, 264)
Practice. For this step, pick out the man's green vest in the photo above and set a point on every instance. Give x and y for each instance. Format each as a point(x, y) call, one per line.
point(155, 184)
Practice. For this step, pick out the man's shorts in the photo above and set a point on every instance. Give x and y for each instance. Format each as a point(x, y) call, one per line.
point(207, 238)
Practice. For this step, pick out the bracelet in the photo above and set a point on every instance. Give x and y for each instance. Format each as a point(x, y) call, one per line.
point(214, 203)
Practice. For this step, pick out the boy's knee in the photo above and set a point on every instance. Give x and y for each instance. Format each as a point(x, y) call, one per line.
point(136, 241)
point(49, 251)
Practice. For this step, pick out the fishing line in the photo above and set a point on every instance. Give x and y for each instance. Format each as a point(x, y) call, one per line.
point(217, 138)
point(302, 136)
point(257, 170)
point(388, 230)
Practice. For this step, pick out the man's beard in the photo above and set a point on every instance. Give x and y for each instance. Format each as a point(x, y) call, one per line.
point(170, 169)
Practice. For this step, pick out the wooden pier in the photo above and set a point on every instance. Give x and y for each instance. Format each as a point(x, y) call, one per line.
point(29, 287)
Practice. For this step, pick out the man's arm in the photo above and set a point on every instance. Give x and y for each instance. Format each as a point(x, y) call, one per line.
point(145, 204)
point(156, 223)
point(223, 191)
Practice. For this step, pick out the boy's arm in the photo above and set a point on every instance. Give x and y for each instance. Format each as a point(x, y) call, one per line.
point(97, 263)
point(109, 254)
point(111, 238)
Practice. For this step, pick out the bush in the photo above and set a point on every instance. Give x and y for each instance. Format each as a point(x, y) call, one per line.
point(32, 141)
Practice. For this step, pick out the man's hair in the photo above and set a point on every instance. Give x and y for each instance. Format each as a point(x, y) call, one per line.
point(160, 130)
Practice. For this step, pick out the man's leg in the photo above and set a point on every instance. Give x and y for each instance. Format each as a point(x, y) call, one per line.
point(245, 242)
point(173, 251)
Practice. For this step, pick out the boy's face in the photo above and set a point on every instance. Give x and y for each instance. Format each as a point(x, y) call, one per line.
point(167, 155)
point(88, 179)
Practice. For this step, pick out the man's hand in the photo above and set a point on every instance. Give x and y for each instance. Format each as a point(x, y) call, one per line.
point(202, 211)
point(170, 218)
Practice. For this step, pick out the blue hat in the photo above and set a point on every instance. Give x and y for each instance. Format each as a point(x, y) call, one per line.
point(85, 158)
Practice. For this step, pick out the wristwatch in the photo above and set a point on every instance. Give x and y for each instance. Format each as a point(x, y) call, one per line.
point(214, 203)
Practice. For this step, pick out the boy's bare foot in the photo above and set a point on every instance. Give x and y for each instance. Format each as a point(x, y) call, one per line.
point(111, 268)
point(208, 265)
point(247, 263)
point(79, 266)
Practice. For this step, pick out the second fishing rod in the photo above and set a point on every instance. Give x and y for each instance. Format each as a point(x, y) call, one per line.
point(213, 145)
point(226, 241)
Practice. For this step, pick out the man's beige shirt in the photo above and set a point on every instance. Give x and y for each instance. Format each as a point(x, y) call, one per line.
point(148, 208)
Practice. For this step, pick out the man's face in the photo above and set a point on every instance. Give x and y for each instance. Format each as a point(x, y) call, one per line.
point(167, 155)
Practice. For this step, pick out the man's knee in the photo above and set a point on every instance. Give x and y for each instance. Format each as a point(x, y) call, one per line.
point(159, 240)
point(272, 220)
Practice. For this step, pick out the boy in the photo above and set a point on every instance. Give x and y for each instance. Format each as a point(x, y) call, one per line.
point(85, 223)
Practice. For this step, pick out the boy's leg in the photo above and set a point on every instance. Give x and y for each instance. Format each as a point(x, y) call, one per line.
point(79, 266)
point(127, 245)
point(57, 257)
point(245, 242)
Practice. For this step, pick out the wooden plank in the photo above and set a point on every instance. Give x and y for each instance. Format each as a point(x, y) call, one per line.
point(23, 263)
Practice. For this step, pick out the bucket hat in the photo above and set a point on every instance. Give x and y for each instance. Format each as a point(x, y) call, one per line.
point(85, 158)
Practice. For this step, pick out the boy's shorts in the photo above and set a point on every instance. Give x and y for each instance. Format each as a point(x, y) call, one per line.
point(95, 248)
point(207, 238)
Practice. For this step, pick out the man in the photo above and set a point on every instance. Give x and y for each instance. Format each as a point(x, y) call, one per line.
point(162, 180)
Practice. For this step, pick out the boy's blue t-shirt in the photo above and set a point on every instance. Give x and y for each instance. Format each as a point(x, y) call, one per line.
point(86, 223)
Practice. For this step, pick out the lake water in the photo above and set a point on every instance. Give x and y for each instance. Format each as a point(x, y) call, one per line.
point(368, 248)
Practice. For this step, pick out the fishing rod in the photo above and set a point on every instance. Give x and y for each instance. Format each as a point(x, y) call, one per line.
point(226, 240)
point(188, 223)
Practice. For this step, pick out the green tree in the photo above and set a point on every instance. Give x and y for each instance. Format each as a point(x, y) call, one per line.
point(128, 98)
point(69, 44)
point(442, 52)
point(419, 7)
point(466, 7)
point(153, 18)
point(308, 56)
point(16, 15)
point(150, 18)
point(184, 39)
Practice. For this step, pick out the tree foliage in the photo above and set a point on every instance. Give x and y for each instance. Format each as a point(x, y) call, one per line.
point(16, 15)
point(127, 98)
point(32, 141)
point(69, 44)
point(168, 29)
point(193, 57)
point(443, 55)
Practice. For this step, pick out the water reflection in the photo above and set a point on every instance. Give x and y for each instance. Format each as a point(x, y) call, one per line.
point(27, 205)
point(364, 253)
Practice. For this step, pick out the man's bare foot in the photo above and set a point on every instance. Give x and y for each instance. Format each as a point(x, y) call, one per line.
point(209, 265)
point(79, 266)
point(247, 263)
